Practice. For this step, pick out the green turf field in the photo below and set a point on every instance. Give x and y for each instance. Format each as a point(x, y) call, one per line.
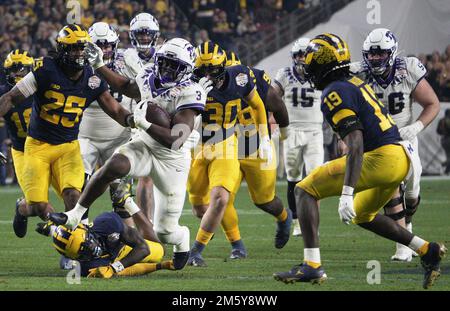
point(31, 263)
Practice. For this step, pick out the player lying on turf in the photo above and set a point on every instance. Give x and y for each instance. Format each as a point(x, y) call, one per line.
point(375, 165)
point(109, 247)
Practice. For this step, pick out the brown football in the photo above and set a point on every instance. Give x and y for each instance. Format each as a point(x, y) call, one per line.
point(157, 115)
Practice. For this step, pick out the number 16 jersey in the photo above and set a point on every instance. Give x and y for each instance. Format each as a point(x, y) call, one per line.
point(301, 99)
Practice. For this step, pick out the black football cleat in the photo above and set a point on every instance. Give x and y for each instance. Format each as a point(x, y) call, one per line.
point(283, 231)
point(20, 222)
point(430, 263)
point(302, 273)
point(58, 218)
point(196, 260)
point(44, 228)
point(179, 260)
point(238, 253)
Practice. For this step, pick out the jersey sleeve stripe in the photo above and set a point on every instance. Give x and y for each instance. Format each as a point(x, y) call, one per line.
point(342, 114)
point(197, 106)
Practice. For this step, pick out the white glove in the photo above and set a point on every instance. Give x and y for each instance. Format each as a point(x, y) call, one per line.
point(346, 210)
point(94, 55)
point(206, 84)
point(410, 132)
point(265, 149)
point(139, 117)
point(284, 133)
point(3, 159)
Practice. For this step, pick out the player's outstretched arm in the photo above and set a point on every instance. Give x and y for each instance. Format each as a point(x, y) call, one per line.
point(120, 83)
point(275, 104)
point(115, 110)
point(145, 227)
point(255, 101)
point(13, 97)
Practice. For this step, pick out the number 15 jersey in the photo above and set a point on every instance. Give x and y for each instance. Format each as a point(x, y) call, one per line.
point(301, 100)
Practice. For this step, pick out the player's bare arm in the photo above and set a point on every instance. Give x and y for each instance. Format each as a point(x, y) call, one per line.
point(11, 98)
point(145, 227)
point(182, 125)
point(134, 239)
point(120, 83)
point(275, 104)
point(115, 110)
point(427, 98)
point(278, 89)
point(354, 142)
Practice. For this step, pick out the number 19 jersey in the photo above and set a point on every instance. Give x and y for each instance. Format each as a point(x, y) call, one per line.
point(301, 100)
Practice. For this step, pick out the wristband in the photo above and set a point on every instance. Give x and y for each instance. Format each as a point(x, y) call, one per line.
point(117, 266)
point(347, 190)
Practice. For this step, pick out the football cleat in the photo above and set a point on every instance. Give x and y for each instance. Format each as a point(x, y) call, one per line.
point(430, 263)
point(297, 230)
point(119, 197)
point(20, 222)
point(302, 273)
point(179, 260)
point(44, 228)
point(58, 218)
point(238, 253)
point(196, 260)
point(403, 253)
point(283, 231)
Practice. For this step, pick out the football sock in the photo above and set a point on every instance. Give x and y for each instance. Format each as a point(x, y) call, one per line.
point(197, 247)
point(131, 206)
point(419, 245)
point(230, 222)
point(312, 257)
point(291, 198)
point(202, 239)
point(238, 244)
point(75, 215)
point(283, 216)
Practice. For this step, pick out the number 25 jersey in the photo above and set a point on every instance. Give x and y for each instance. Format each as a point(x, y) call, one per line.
point(59, 102)
point(301, 100)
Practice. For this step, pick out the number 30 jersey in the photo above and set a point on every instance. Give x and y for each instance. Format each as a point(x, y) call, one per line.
point(395, 91)
point(301, 100)
point(59, 102)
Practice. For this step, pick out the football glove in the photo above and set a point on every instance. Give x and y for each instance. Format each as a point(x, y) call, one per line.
point(94, 55)
point(139, 117)
point(410, 132)
point(206, 84)
point(105, 272)
point(346, 210)
point(265, 149)
point(3, 159)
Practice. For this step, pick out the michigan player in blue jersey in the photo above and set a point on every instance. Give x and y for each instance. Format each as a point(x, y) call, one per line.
point(260, 178)
point(109, 247)
point(376, 163)
point(215, 167)
point(17, 65)
point(63, 87)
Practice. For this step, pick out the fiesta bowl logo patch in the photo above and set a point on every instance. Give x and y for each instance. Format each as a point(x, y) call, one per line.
point(241, 79)
point(94, 82)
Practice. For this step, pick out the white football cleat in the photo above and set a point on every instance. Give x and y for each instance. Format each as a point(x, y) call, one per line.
point(297, 230)
point(403, 253)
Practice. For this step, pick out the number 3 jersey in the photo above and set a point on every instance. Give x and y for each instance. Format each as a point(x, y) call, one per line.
point(301, 100)
point(58, 101)
point(395, 91)
point(185, 95)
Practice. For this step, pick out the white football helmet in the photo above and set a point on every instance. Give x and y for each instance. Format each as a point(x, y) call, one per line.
point(299, 47)
point(103, 35)
point(378, 41)
point(144, 24)
point(175, 61)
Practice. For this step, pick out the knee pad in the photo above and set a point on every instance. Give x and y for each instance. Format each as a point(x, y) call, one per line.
point(411, 210)
point(394, 202)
